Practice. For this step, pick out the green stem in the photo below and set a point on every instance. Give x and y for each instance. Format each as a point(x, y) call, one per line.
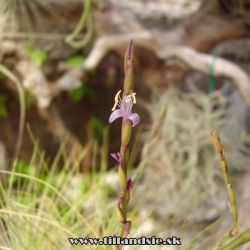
point(239, 241)
point(86, 15)
point(125, 139)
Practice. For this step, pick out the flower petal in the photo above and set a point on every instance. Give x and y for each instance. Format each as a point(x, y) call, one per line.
point(114, 156)
point(116, 114)
point(118, 157)
point(135, 118)
point(130, 184)
point(127, 226)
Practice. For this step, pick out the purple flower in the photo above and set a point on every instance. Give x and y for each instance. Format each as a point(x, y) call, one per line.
point(118, 157)
point(130, 184)
point(125, 109)
point(127, 226)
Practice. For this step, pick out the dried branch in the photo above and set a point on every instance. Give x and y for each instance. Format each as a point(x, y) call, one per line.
point(160, 42)
point(222, 68)
point(15, 80)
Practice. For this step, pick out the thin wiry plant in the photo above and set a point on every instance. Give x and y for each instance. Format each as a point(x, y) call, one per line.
point(19, 87)
point(129, 120)
point(24, 15)
point(42, 213)
point(183, 154)
point(244, 237)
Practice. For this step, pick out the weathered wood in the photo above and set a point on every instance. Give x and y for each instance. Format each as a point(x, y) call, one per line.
point(114, 27)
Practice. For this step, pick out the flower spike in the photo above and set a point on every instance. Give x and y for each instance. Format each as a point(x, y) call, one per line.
point(129, 120)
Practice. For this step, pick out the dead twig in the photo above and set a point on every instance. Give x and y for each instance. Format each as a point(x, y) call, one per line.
point(19, 87)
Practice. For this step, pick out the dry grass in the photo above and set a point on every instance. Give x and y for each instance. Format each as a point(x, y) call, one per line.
point(183, 175)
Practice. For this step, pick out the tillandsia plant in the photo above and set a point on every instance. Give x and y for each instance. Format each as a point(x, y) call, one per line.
point(129, 120)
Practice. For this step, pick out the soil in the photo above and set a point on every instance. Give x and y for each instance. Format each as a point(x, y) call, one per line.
point(76, 117)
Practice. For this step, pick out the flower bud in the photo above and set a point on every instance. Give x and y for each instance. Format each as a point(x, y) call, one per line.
point(128, 69)
point(128, 81)
point(127, 227)
point(216, 140)
point(126, 132)
point(122, 179)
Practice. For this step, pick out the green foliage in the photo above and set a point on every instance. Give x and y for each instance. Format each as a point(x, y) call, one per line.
point(44, 206)
point(94, 73)
point(2, 76)
point(75, 61)
point(98, 125)
point(27, 99)
point(23, 168)
point(37, 56)
point(76, 95)
point(3, 107)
